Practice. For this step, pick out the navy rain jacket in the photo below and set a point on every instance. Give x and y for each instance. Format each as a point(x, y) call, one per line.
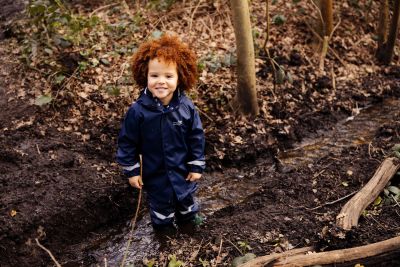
point(170, 139)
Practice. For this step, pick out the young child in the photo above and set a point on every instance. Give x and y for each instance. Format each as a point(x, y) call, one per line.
point(165, 128)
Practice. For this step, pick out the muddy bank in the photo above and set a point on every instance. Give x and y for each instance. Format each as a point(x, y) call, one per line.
point(290, 210)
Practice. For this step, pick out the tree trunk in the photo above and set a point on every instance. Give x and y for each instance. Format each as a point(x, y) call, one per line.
point(383, 24)
point(326, 7)
point(385, 52)
point(351, 211)
point(246, 85)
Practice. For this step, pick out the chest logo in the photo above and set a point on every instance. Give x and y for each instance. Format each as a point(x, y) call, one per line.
point(177, 123)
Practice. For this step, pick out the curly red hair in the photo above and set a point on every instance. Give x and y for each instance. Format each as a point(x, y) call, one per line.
point(170, 49)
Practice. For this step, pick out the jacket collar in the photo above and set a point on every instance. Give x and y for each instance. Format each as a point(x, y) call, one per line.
point(147, 99)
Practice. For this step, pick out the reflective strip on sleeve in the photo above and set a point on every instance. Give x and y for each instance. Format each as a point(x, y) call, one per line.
point(188, 210)
point(162, 217)
point(131, 168)
point(197, 162)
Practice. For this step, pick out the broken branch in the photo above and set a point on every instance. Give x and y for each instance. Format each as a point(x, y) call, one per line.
point(351, 211)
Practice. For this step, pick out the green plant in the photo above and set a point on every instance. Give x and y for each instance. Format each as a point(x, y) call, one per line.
point(244, 246)
point(55, 23)
point(279, 19)
point(204, 263)
point(43, 100)
point(149, 263)
point(173, 262)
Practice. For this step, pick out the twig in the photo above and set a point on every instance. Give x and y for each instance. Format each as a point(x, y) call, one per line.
point(266, 50)
point(320, 16)
point(334, 28)
point(38, 150)
point(48, 252)
point(105, 262)
point(329, 48)
point(205, 115)
point(191, 19)
point(395, 200)
point(333, 79)
point(241, 253)
point(66, 83)
point(369, 149)
point(321, 172)
point(219, 252)
point(397, 213)
point(102, 8)
point(332, 202)
point(375, 220)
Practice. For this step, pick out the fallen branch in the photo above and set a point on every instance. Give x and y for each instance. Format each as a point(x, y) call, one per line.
point(264, 260)
point(351, 211)
point(341, 255)
point(48, 252)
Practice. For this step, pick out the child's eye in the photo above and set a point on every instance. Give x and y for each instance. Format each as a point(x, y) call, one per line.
point(170, 76)
point(153, 75)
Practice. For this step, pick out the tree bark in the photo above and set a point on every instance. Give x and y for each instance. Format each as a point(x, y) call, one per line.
point(385, 51)
point(327, 16)
point(264, 260)
point(246, 96)
point(351, 211)
point(383, 23)
point(342, 255)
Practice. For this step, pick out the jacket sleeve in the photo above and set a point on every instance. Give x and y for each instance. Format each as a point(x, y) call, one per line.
point(196, 142)
point(128, 144)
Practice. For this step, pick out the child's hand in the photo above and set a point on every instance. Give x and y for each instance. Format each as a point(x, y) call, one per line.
point(193, 176)
point(136, 181)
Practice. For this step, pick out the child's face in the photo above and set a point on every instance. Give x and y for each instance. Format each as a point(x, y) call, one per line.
point(162, 79)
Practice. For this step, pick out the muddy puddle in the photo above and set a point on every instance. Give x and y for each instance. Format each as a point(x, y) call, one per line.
point(218, 190)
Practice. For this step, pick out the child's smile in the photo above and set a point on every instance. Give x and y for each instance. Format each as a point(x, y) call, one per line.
point(162, 79)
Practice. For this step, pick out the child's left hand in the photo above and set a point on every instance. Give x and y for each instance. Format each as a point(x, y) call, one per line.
point(193, 176)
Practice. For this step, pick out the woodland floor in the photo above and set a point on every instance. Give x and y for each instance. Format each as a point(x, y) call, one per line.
point(59, 182)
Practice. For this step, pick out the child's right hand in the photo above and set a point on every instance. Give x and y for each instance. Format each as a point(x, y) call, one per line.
point(136, 181)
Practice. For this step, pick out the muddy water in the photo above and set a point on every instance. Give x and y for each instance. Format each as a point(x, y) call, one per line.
point(354, 130)
point(222, 189)
point(217, 190)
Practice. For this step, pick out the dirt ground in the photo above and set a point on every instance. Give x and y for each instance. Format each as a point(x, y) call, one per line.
point(59, 186)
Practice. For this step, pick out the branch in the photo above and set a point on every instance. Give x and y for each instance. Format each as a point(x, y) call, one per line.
point(48, 252)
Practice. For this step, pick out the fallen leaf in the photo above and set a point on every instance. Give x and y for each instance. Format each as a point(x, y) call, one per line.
point(13, 213)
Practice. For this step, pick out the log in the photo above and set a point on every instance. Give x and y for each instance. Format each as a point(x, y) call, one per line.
point(351, 211)
point(341, 255)
point(263, 260)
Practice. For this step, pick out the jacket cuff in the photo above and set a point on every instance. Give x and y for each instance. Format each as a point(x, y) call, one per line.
point(196, 168)
point(134, 172)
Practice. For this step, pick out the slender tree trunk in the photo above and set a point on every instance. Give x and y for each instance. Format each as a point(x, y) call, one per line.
point(385, 51)
point(246, 85)
point(327, 16)
point(383, 23)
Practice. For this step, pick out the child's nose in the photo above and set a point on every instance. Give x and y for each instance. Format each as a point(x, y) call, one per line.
point(161, 80)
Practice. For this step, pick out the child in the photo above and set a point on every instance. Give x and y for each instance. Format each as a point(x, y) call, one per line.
point(165, 128)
